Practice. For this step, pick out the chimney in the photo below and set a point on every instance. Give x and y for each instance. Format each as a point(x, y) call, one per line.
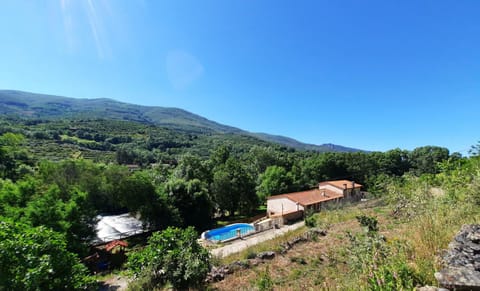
point(345, 186)
point(323, 193)
point(353, 184)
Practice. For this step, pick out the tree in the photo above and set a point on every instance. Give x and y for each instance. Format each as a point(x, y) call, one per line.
point(171, 256)
point(191, 167)
point(70, 215)
point(11, 155)
point(425, 159)
point(475, 150)
point(37, 259)
point(274, 181)
point(138, 194)
point(192, 201)
point(233, 188)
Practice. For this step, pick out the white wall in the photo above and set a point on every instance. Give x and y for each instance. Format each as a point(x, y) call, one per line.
point(331, 188)
point(275, 206)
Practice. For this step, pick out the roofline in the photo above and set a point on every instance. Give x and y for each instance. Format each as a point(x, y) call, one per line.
point(342, 188)
point(285, 196)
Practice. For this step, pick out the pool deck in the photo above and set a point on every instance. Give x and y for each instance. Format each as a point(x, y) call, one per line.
point(241, 244)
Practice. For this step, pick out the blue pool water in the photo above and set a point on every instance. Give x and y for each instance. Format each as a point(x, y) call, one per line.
point(229, 231)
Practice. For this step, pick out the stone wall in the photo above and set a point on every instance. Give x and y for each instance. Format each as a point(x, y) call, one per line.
point(462, 261)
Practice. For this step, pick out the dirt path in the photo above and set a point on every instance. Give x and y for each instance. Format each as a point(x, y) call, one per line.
point(115, 283)
point(241, 244)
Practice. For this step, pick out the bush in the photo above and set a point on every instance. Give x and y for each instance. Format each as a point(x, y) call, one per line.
point(310, 219)
point(370, 223)
point(171, 256)
point(264, 281)
point(37, 259)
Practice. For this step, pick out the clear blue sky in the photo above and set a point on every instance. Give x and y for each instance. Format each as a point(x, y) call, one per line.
point(374, 75)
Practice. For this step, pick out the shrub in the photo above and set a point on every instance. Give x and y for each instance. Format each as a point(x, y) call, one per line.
point(370, 223)
point(172, 256)
point(37, 259)
point(310, 219)
point(264, 281)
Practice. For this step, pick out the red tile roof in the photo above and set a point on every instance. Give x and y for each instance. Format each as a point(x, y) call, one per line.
point(340, 184)
point(309, 197)
point(111, 245)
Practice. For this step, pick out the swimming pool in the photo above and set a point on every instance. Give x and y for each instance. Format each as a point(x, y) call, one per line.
point(228, 232)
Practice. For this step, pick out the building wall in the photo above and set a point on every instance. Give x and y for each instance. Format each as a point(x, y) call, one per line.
point(331, 188)
point(274, 206)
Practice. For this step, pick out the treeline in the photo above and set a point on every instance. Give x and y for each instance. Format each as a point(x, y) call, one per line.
point(231, 180)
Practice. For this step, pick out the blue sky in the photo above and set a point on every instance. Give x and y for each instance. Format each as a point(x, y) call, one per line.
point(374, 75)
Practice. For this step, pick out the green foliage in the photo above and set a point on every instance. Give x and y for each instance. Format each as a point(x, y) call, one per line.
point(70, 215)
point(310, 219)
point(264, 281)
point(192, 201)
point(233, 188)
point(172, 256)
point(37, 259)
point(425, 159)
point(369, 223)
point(275, 180)
point(250, 255)
point(12, 156)
point(383, 264)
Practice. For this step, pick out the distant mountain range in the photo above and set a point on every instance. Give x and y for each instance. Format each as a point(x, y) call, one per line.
point(41, 106)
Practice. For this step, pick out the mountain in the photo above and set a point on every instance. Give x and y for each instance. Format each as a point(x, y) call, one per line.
point(41, 106)
point(290, 142)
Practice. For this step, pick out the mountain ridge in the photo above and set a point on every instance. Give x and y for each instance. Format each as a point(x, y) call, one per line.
point(35, 105)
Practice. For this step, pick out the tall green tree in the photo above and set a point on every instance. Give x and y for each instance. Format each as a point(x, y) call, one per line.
point(138, 194)
point(275, 180)
point(192, 201)
point(70, 215)
point(233, 188)
point(425, 159)
point(192, 167)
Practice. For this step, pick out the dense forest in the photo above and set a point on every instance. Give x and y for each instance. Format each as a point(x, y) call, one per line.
point(56, 176)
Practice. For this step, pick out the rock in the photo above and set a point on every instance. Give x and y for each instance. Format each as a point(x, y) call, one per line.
point(459, 278)
point(474, 237)
point(239, 265)
point(462, 261)
point(430, 288)
point(317, 232)
point(266, 255)
point(217, 274)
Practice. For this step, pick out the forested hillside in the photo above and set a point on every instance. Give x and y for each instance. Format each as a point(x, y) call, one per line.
point(48, 107)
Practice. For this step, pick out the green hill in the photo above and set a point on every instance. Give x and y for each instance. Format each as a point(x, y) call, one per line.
point(50, 107)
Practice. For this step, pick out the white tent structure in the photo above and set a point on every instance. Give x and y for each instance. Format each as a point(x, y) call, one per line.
point(113, 227)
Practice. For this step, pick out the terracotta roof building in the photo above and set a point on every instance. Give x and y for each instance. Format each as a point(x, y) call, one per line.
point(328, 191)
